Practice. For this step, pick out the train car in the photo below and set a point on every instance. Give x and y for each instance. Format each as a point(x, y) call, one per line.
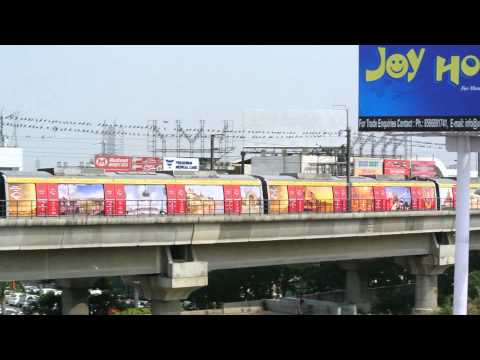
point(288, 194)
point(42, 194)
point(446, 189)
point(393, 195)
point(221, 194)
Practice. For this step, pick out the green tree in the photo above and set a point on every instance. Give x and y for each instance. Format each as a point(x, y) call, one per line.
point(103, 303)
point(50, 304)
point(267, 282)
point(135, 311)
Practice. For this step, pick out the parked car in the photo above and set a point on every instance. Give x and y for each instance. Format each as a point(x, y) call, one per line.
point(30, 307)
point(10, 311)
point(16, 299)
point(47, 290)
point(29, 289)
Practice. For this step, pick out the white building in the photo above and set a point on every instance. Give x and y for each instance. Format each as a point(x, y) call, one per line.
point(11, 158)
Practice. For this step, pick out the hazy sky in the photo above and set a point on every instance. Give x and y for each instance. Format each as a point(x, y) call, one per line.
point(134, 84)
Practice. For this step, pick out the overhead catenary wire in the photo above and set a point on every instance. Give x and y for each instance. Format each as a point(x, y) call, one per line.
point(45, 132)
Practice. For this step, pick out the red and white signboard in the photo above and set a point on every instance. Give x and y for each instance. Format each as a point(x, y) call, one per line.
point(424, 168)
point(146, 164)
point(396, 167)
point(113, 163)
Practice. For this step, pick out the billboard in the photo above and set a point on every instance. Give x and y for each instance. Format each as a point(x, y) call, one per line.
point(368, 167)
point(424, 168)
point(113, 163)
point(183, 164)
point(396, 167)
point(146, 164)
point(419, 88)
point(116, 163)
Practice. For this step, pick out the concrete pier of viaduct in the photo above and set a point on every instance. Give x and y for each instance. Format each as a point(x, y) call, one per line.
point(171, 256)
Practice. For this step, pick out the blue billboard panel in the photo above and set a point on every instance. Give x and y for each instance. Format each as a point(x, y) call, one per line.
point(419, 88)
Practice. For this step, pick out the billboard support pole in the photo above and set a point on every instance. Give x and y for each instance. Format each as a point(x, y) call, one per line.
point(212, 144)
point(462, 226)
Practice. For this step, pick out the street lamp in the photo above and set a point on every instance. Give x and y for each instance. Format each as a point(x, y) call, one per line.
point(347, 167)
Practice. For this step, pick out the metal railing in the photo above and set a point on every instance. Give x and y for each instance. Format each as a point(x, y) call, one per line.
point(172, 207)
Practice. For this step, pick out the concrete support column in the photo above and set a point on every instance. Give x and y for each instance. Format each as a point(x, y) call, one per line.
point(356, 285)
point(166, 293)
point(75, 295)
point(160, 307)
point(426, 294)
point(426, 282)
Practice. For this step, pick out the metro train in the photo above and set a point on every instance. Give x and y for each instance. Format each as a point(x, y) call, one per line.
point(41, 194)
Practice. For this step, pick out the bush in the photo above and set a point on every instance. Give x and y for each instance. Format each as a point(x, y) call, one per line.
point(135, 311)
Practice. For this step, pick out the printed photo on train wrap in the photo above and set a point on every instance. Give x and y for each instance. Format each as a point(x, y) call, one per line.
point(21, 200)
point(474, 198)
point(447, 198)
point(146, 199)
point(362, 199)
point(278, 199)
point(398, 198)
point(251, 199)
point(81, 199)
point(318, 199)
point(204, 199)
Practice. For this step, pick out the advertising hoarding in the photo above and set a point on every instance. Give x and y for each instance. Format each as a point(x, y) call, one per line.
point(419, 88)
point(113, 163)
point(368, 167)
point(117, 163)
point(183, 164)
point(146, 164)
point(396, 167)
point(424, 168)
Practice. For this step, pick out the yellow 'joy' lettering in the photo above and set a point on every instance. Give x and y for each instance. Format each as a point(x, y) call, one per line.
point(396, 65)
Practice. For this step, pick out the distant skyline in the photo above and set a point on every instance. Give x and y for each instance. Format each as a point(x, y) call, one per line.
point(134, 84)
